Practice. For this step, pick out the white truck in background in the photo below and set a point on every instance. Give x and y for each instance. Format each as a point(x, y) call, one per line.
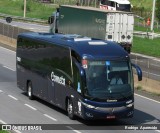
point(116, 26)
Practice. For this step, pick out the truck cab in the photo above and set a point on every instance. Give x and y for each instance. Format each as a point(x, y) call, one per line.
point(53, 20)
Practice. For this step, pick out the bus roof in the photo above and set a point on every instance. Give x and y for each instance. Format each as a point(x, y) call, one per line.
point(95, 48)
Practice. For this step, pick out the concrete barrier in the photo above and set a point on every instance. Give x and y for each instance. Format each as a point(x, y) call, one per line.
point(8, 41)
point(148, 85)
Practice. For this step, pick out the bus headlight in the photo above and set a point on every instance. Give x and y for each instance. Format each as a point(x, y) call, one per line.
point(129, 103)
point(88, 105)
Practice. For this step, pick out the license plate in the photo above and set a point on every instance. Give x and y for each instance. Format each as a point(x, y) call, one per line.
point(111, 117)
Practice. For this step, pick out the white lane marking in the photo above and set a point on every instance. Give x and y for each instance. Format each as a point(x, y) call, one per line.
point(157, 131)
point(1, 91)
point(30, 106)
point(7, 49)
point(13, 97)
point(2, 122)
point(147, 98)
point(50, 117)
point(9, 68)
point(76, 131)
point(17, 131)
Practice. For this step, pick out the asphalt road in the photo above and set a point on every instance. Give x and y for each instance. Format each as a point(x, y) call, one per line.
point(16, 108)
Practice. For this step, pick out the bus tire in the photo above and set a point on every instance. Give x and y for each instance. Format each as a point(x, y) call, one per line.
point(30, 90)
point(70, 110)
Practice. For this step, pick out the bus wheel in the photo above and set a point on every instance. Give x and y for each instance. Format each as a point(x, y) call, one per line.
point(29, 90)
point(70, 109)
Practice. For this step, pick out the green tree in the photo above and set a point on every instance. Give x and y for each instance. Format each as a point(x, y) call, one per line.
point(158, 9)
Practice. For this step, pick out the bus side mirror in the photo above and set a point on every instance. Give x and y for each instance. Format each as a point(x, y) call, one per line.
point(139, 71)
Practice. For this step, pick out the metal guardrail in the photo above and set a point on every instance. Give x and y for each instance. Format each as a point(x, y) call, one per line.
point(24, 19)
point(11, 31)
point(149, 35)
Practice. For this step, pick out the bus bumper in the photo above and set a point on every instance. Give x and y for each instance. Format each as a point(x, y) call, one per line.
point(108, 113)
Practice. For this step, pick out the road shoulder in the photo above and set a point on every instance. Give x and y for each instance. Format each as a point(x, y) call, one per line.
point(7, 47)
point(148, 95)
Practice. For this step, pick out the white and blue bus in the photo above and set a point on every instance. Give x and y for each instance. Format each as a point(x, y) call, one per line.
point(87, 77)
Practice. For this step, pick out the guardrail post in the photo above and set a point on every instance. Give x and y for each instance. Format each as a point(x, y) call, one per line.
point(136, 60)
point(12, 34)
point(148, 69)
point(3, 29)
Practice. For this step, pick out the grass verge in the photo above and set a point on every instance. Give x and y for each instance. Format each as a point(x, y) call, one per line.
point(146, 29)
point(34, 9)
point(138, 87)
point(3, 131)
point(146, 46)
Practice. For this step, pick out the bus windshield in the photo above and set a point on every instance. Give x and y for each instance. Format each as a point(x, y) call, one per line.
point(108, 80)
point(124, 7)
